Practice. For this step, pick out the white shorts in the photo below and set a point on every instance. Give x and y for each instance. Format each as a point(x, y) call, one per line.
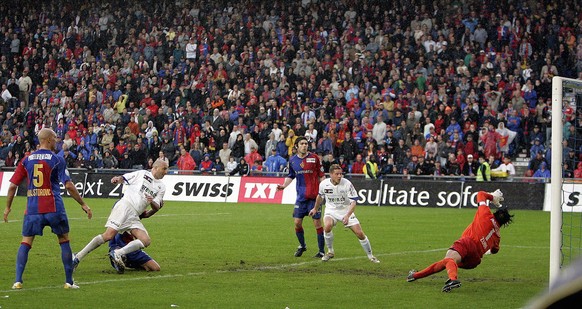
point(124, 218)
point(338, 215)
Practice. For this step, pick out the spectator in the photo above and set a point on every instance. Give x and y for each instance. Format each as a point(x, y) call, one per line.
point(578, 171)
point(126, 162)
point(536, 148)
point(253, 155)
point(163, 77)
point(242, 168)
point(542, 171)
point(206, 165)
point(109, 161)
point(274, 163)
point(230, 165)
point(471, 166)
point(218, 166)
point(484, 172)
point(185, 162)
point(358, 165)
point(238, 148)
point(506, 167)
point(370, 169)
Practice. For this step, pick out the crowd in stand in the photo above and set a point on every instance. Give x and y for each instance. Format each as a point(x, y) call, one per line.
point(400, 87)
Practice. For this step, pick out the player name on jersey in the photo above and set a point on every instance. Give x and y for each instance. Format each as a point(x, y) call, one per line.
point(40, 156)
point(39, 192)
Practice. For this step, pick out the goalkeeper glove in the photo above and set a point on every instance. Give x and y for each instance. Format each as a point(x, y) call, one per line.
point(497, 197)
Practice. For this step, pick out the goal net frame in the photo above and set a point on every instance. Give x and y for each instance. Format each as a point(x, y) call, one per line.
point(556, 185)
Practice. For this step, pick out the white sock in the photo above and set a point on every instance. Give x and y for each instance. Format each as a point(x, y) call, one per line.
point(328, 241)
point(132, 246)
point(92, 245)
point(366, 246)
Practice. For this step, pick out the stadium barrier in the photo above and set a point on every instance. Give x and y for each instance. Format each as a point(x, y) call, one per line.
point(398, 191)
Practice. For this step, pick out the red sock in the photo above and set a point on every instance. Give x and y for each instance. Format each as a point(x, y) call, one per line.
point(452, 268)
point(432, 269)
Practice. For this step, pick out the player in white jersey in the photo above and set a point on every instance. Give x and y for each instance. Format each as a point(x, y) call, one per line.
point(340, 202)
point(143, 189)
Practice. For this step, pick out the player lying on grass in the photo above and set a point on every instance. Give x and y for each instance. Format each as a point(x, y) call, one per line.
point(481, 237)
point(340, 202)
point(138, 260)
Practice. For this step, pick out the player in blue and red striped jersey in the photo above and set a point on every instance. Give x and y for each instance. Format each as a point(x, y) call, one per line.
point(306, 169)
point(137, 260)
point(481, 237)
point(45, 171)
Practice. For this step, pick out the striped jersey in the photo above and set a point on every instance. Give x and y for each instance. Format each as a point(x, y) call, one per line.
point(306, 172)
point(45, 172)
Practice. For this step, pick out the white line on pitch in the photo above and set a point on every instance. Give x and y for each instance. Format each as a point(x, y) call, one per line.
point(258, 268)
point(160, 215)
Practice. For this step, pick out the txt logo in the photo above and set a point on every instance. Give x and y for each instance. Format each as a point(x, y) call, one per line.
point(260, 190)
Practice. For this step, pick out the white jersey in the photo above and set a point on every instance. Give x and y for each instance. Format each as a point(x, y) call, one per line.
point(337, 197)
point(138, 185)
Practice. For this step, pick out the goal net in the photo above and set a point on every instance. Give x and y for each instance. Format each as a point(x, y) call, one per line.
point(566, 184)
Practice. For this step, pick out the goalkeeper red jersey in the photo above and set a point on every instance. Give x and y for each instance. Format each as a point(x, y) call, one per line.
point(484, 229)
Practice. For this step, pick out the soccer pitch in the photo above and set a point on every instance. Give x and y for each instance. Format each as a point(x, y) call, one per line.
point(220, 255)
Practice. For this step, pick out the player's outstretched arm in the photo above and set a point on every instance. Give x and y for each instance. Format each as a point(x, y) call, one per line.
point(117, 180)
point(497, 197)
point(77, 197)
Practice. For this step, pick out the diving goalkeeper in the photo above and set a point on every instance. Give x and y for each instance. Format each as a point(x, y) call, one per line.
point(479, 238)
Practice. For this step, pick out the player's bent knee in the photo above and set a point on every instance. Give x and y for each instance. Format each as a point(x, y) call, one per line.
point(152, 265)
point(146, 242)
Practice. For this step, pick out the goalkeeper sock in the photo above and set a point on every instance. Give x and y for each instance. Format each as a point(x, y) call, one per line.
point(329, 241)
point(452, 268)
point(432, 269)
point(366, 246)
point(92, 245)
point(132, 246)
point(67, 258)
point(21, 260)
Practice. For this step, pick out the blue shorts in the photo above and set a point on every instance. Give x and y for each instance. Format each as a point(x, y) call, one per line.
point(34, 224)
point(132, 260)
point(137, 259)
point(303, 208)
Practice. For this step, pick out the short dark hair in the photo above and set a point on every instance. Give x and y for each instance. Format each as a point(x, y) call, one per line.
point(299, 139)
point(503, 217)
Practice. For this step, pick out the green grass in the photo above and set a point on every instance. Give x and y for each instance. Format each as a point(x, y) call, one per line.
point(241, 256)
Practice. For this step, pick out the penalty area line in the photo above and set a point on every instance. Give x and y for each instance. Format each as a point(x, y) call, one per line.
point(194, 274)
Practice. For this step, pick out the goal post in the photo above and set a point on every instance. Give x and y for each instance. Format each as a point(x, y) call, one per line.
point(563, 89)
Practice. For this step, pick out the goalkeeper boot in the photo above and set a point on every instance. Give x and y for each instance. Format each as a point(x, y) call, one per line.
point(410, 277)
point(451, 284)
point(300, 251)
